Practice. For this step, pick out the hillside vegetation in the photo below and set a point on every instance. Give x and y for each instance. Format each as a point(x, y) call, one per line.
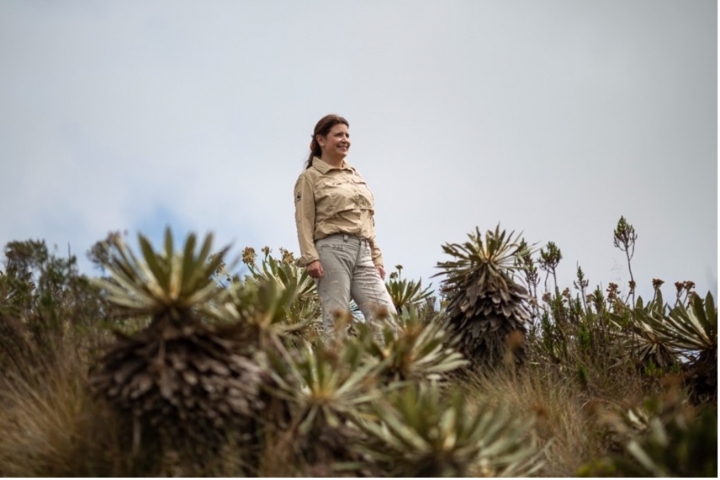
point(171, 363)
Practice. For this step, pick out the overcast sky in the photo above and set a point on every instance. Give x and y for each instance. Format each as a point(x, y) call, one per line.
point(549, 117)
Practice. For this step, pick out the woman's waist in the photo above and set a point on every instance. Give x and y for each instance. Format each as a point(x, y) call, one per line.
point(349, 238)
point(361, 226)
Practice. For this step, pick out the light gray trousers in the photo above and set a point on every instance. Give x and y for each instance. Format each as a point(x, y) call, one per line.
point(350, 273)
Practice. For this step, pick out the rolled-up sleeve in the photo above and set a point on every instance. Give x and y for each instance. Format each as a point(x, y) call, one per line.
point(305, 221)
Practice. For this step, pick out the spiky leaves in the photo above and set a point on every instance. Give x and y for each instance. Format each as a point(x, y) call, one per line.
point(419, 432)
point(692, 332)
point(485, 302)
point(691, 329)
point(661, 336)
point(302, 310)
point(323, 386)
point(642, 343)
point(161, 284)
point(416, 351)
point(264, 307)
point(665, 437)
point(183, 375)
point(320, 388)
point(406, 293)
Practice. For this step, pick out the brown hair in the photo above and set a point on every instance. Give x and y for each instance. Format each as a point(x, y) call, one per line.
point(323, 127)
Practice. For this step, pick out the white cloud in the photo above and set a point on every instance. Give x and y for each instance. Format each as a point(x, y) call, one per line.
point(549, 117)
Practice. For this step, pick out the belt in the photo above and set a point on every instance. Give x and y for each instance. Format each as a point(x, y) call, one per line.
point(347, 237)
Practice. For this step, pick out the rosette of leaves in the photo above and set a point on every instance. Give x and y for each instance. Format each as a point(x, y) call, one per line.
point(186, 378)
point(420, 432)
point(262, 306)
point(321, 387)
point(665, 437)
point(692, 332)
point(406, 293)
point(302, 310)
point(485, 301)
point(636, 330)
point(416, 350)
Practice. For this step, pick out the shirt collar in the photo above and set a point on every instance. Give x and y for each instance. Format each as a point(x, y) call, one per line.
point(325, 167)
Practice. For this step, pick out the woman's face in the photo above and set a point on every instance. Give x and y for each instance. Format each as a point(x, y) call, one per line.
point(336, 143)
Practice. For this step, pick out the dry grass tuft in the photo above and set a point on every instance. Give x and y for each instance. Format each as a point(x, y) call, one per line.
point(53, 427)
point(565, 418)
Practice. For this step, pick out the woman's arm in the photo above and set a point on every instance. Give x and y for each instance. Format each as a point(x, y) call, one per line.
point(376, 254)
point(305, 221)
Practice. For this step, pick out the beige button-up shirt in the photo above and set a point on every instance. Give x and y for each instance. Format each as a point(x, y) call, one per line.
point(332, 200)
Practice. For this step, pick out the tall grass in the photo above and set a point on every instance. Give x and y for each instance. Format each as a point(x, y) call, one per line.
point(565, 415)
point(52, 426)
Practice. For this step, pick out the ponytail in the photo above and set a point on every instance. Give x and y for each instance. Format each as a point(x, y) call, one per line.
point(315, 151)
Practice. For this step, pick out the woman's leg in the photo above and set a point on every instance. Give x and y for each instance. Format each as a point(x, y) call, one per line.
point(369, 291)
point(337, 259)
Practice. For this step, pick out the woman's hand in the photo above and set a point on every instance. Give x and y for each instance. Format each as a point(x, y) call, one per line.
point(315, 269)
point(381, 271)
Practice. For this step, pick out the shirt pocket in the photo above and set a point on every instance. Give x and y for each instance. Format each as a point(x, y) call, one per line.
point(333, 196)
point(363, 197)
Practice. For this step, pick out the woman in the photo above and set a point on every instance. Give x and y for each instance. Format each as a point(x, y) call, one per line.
point(334, 216)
